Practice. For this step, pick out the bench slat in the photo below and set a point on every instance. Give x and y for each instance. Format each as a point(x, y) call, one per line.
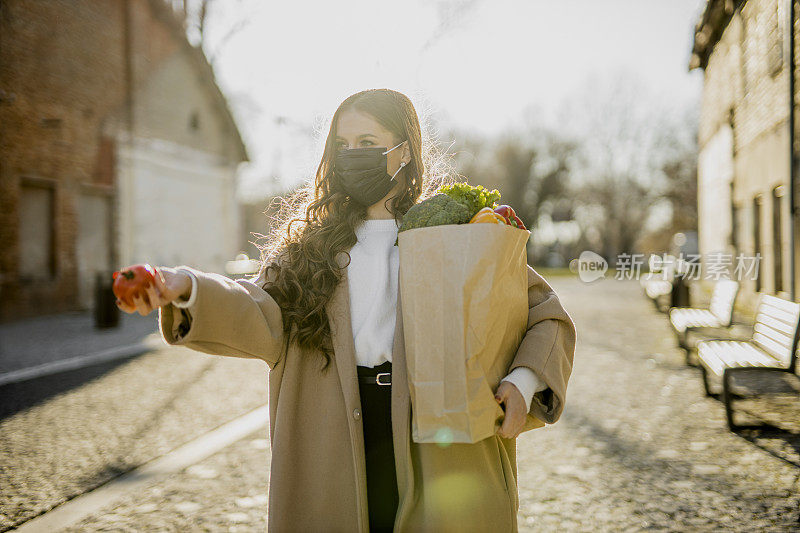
point(780, 303)
point(780, 353)
point(683, 317)
point(779, 338)
point(718, 355)
point(722, 299)
point(708, 357)
point(768, 313)
point(753, 356)
point(766, 322)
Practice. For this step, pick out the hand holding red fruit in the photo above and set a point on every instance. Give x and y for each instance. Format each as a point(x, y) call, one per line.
point(131, 281)
point(143, 288)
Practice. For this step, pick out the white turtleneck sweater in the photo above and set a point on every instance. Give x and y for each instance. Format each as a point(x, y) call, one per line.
point(372, 284)
point(372, 278)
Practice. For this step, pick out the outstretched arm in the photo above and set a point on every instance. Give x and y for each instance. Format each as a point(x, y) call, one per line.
point(225, 317)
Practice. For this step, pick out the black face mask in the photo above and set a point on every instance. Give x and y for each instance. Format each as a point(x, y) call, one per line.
point(362, 173)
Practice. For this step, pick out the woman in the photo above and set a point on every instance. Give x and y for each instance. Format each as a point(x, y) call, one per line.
point(324, 314)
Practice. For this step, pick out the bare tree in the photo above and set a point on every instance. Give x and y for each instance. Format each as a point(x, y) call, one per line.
point(198, 15)
point(623, 135)
point(624, 204)
point(679, 169)
point(612, 162)
point(514, 162)
point(535, 173)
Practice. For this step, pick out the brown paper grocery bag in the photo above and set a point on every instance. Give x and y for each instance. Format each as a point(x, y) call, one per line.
point(464, 293)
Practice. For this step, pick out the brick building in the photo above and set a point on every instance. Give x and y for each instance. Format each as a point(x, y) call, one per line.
point(116, 147)
point(745, 163)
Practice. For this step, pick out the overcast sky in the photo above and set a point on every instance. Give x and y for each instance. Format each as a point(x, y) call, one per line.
point(478, 65)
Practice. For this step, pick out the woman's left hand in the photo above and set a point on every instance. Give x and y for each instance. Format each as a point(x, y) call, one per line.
point(516, 412)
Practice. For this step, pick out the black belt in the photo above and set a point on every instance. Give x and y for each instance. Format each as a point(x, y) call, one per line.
point(376, 375)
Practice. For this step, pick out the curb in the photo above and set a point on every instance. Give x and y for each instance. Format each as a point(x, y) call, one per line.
point(78, 508)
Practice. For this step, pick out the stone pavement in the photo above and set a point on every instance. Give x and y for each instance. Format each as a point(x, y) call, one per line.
point(226, 492)
point(639, 447)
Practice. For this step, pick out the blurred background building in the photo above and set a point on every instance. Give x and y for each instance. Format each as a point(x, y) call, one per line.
point(747, 137)
point(117, 147)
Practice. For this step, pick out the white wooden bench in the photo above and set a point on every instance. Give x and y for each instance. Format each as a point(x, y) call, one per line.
point(773, 346)
point(658, 282)
point(718, 315)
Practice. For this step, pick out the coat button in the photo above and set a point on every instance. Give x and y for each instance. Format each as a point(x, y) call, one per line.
point(357, 413)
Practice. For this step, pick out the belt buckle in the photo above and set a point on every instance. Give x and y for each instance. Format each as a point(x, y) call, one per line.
point(378, 378)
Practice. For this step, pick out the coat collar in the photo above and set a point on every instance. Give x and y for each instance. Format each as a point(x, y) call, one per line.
point(338, 310)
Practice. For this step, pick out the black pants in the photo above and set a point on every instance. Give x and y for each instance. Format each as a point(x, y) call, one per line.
point(382, 497)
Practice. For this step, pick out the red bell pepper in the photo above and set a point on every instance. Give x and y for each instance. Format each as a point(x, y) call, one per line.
point(507, 212)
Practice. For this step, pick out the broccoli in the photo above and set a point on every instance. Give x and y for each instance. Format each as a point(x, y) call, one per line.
point(475, 198)
point(435, 211)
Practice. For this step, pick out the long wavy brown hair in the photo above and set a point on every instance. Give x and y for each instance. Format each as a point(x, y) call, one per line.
point(317, 222)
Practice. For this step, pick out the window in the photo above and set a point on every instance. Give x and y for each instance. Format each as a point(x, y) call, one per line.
point(774, 38)
point(36, 227)
point(757, 237)
point(735, 213)
point(745, 47)
point(777, 231)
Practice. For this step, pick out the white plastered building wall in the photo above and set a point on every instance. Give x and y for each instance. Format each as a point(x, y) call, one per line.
point(178, 175)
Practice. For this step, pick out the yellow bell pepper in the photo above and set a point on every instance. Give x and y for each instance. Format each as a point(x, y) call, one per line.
point(487, 215)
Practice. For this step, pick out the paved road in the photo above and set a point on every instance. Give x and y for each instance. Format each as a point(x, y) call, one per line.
point(639, 447)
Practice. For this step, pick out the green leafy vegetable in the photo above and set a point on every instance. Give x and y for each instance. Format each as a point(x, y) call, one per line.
point(474, 198)
point(435, 211)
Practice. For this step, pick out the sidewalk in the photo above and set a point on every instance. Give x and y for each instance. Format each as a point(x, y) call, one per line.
point(40, 342)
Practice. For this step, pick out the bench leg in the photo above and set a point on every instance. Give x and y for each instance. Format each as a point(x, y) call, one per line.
point(682, 338)
point(656, 304)
point(689, 362)
point(728, 395)
point(682, 341)
point(727, 399)
point(688, 349)
point(707, 383)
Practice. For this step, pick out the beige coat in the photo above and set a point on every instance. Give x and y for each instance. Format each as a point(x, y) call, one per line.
point(318, 477)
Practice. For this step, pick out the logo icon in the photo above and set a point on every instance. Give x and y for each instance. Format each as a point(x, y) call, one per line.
point(591, 266)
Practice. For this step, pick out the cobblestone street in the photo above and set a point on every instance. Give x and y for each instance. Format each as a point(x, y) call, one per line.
point(639, 447)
